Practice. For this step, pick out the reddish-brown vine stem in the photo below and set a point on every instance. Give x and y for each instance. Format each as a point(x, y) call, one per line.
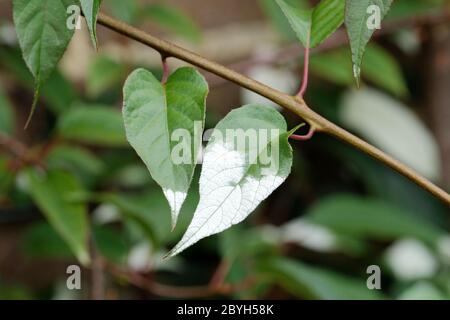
point(305, 78)
point(305, 137)
point(294, 104)
point(166, 70)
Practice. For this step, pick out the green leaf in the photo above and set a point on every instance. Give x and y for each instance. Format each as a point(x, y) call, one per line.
point(164, 124)
point(7, 118)
point(334, 66)
point(393, 127)
point(327, 16)
point(151, 213)
point(360, 20)
point(310, 282)
point(173, 19)
point(52, 193)
point(43, 36)
point(422, 290)
point(112, 244)
point(300, 21)
point(103, 74)
point(314, 26)
point(237, 176)
point(93, 124)
point(42, 241)
point(277, 17)
point(76, 159)
point(381, 68)
point(57, 91)
point(90, 10)
point(370, 218)
point(126, 11)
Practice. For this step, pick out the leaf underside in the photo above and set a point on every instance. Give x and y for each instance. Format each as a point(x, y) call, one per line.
point(231, 185)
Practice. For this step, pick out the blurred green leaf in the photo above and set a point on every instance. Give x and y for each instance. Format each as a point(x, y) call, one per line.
point(90, 10)
point(126, 11)
point(243, 242)
point(14, 292)
point(76, 158)
point(382, 69)
point(6, 176)
point(277, 17)
point(150, 212)
point(111, 243)
point(422, 291)
point(388, 185)
point(173, 20)
point(43, 242)
point(52, 192)
point(370, 218)
point(334, 66)
point(310, 282)
point(57, 91)
point(361, 23)
point(403, 9)
point(7, 117)
point(392, 127)
point(103, 74)
point(93, 124)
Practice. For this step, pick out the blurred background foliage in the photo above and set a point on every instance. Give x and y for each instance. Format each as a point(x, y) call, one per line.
point(72, 175)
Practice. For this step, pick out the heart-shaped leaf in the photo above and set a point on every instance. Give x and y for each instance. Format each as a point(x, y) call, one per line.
point(236, 175)
point(41, 27)
point(53, 193)
point(164, 124)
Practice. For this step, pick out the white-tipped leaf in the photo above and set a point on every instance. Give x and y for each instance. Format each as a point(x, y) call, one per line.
point(237, 176)
point(164, 123)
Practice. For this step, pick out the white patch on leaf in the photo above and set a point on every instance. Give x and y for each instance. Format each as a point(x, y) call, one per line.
point(392, 127)
point(227, 193)
point(176, 200)
point(409, 259)
point(309, 235)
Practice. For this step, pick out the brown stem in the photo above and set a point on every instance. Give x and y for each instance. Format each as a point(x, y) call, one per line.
point(294, 104)
point(97, 277)
point(159, 289)
point(438, 94)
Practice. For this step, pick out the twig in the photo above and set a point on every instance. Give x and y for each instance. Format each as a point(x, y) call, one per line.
point(97, 278)
point(15, 147)
point(293, 104)
point(305, 137)
point(159, 289)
